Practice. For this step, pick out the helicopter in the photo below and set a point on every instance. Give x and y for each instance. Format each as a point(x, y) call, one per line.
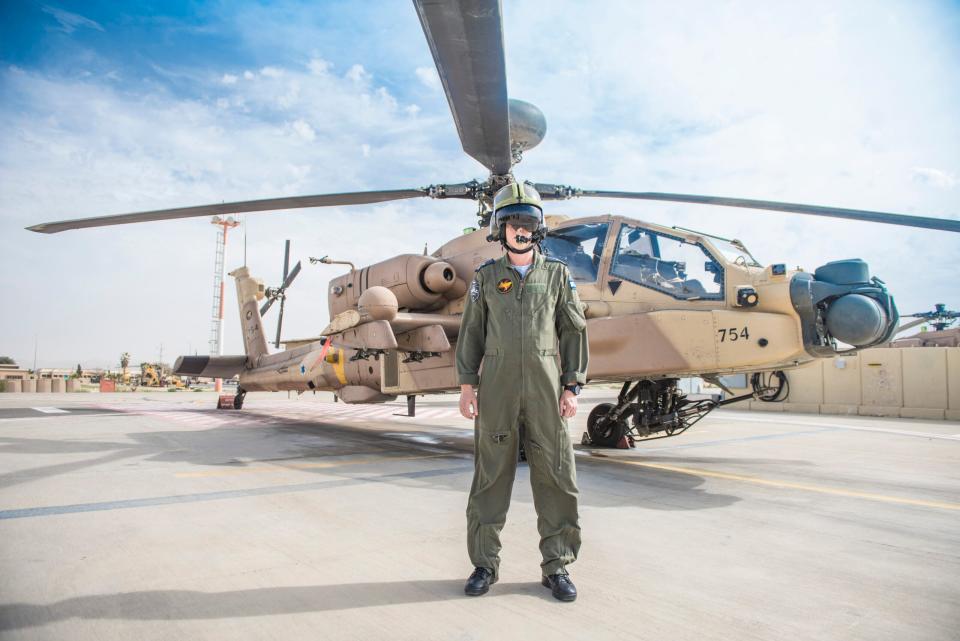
point(661, 302)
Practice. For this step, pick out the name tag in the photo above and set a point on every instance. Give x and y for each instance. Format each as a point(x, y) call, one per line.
point(536, 288)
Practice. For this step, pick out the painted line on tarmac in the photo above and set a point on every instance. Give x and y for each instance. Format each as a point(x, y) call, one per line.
point(727, 441)
point(277, 467)
point(54, 510)
point(49, 416)
point(847, 426)
point(789, 485)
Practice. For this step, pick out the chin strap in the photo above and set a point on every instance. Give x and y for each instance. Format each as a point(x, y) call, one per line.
point(534, 240)
point(519, 251)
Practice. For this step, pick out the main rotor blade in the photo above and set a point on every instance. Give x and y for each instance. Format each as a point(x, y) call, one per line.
point(466, 40)
point(267, 204)
point(560, 192)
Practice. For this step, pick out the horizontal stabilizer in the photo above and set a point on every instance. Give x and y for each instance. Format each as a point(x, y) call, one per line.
point(210, 366)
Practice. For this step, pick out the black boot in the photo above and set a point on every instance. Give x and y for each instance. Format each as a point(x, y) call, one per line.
point(479, 582)
point(561, 586)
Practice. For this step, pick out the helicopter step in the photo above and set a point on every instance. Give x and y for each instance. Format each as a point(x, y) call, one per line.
point(648, 410)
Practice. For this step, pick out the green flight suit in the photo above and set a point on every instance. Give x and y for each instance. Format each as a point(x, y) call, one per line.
point(518, 328)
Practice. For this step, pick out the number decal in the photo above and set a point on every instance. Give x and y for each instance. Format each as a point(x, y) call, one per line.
point(733, 334)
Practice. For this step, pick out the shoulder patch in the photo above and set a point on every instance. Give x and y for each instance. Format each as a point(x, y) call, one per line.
point(475, 290)
point(485, 263)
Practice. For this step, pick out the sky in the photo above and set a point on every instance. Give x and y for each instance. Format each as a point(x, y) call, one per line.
point(117, 107)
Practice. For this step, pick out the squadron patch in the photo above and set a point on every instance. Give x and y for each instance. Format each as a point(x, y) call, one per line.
point(475, 291)
point(504, 285)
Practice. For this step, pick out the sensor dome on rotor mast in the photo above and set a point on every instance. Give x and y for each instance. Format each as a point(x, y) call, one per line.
point(528, 126)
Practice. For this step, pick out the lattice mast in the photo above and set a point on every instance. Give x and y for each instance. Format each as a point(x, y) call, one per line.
point(216, 326)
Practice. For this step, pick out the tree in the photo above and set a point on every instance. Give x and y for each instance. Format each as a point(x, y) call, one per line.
point(79, 373)
point(6, 360)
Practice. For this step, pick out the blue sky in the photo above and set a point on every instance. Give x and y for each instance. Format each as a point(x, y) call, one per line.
point(115, 107)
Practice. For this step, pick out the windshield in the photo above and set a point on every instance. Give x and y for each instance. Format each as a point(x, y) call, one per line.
point(733, 250)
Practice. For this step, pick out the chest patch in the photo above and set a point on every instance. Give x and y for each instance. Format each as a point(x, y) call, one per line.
point(536, 288)
point(504, 285)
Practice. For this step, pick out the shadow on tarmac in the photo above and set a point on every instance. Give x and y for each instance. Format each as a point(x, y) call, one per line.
point(161, 605)
point(602, 482)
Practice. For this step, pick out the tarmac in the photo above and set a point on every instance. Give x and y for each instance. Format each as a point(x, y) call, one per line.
point(155, 516)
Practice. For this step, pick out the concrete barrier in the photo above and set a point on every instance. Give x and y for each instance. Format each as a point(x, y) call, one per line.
point(44, 386)
point(906, 382)
point(73, 385)
point(13, 385)
point(29, 385)
point(58, 386)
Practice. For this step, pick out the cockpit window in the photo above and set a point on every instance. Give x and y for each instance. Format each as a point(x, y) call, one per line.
point(667, 263)
point(580, 247)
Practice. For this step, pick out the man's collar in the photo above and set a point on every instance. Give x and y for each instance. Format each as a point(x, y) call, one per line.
point(537, 259)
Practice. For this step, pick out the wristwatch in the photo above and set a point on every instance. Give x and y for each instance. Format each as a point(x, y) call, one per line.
point(575, 388)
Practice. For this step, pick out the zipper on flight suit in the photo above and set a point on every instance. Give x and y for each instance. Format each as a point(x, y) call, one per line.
point(523, 279)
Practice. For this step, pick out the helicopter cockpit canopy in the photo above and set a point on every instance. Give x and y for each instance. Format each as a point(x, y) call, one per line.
point(669, 264)
point(580, 247)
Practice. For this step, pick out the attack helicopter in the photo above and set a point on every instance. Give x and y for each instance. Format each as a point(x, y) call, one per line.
point(661, 302)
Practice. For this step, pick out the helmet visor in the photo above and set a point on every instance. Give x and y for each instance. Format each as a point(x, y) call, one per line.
point(520, 215)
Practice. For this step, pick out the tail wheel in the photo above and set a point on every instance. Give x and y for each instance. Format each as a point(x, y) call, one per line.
point(604, 432)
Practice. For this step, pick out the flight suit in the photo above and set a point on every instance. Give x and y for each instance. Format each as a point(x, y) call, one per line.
point(518, 328)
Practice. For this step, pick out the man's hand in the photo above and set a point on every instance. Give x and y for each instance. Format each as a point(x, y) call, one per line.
point(468, 402)
point(568, 404)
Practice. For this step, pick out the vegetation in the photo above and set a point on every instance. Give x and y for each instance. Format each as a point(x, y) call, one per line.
point(6, 360)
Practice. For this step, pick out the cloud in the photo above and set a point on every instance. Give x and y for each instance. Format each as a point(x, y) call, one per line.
point(428, 77)
point(837, 104)
point(228, 79)
point(935, 177)
point(109, 150)
point(358, 75)
point(304, 130)
point(319, 66)
point(70, 21)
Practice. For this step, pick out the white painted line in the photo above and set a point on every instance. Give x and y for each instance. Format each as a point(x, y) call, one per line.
point(846, 426)
point(49, 410)
point(40, 418)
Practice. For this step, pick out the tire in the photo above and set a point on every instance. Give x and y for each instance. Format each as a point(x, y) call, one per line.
point(610, 433)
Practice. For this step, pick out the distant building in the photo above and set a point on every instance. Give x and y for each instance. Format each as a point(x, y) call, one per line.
point(13, 371)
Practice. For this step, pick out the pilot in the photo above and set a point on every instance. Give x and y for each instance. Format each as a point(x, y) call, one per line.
point(524, 324)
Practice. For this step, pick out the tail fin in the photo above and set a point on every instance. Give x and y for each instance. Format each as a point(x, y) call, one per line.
point(249, 291)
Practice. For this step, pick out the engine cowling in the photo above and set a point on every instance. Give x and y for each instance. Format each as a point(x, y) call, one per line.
point(419, 283)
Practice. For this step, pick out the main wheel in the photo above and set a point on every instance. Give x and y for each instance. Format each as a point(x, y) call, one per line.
point(604, 433)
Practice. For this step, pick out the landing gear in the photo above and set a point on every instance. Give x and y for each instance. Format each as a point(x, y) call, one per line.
point(647, 410)
point(238, 399)
point(602, 430)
